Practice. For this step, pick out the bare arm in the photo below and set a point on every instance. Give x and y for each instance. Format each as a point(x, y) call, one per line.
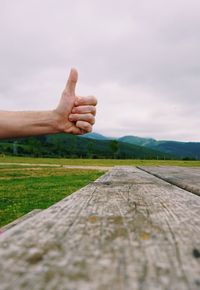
point(73, 115)
point(18, 124)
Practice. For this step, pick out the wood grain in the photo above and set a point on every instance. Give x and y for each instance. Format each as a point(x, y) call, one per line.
point(187, 178)
point(20, 220)
point(127, 230)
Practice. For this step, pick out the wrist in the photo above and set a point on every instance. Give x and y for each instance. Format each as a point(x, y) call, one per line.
point(41, 122)
point(58, 122)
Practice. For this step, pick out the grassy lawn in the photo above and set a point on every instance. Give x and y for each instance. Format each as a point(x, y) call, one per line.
point(97, 162)
point(25, 189)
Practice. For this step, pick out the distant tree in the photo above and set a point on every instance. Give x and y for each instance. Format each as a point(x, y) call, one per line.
point(15, 149)
point(90, 149)
point(35, 147)
point(114, 145)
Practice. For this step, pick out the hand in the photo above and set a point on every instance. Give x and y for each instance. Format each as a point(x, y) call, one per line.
point(75, 114)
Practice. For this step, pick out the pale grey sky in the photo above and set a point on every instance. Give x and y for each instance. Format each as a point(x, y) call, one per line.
point(139, 57)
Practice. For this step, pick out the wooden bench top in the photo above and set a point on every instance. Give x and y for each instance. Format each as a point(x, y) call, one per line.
point(127, 230)
point(185, 177)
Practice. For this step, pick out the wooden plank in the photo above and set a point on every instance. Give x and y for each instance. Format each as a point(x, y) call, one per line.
point(20, 220)
point(128, 230)
point(187, 178)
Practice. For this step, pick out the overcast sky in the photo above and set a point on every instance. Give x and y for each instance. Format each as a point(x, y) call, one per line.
point(139, 57)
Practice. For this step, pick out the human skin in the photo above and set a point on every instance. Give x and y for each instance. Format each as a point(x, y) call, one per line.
point(73, 115)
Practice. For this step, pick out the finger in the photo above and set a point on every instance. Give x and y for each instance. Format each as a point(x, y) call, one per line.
point(84, 110)
point(82, 117)
point(72, 80)
point(83, 101)
point(87, 127)
point(77, 131)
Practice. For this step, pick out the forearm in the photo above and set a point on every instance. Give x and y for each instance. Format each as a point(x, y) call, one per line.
point(20, 124)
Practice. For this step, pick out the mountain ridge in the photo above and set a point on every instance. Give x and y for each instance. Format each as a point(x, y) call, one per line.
point(180, 149)
point(95, 145)
point(70, 146)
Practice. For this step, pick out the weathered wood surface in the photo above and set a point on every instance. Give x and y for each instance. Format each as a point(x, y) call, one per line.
point(20, 220)
point(128, 230)
point(187, 178)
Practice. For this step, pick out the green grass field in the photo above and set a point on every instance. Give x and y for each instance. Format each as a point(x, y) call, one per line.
point(97, 162)
point(25, 189)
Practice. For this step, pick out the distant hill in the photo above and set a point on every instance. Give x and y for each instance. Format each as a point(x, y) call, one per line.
point(182, 150)
point(96, 136)
point(70, 146)
point(94, 145)
point(138, 140)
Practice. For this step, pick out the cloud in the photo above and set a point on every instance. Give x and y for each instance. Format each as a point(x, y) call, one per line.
point(140, 58)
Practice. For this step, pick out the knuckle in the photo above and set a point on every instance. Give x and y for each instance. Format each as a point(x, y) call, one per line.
point(78, 101)
point(87, 127)
point(73, 117)
point(93, 110)
point(78, 124)
point(90, 118)
point(75, 110)
point(81, 100)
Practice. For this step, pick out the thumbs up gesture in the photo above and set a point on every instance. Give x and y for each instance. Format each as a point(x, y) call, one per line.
point(75, 114)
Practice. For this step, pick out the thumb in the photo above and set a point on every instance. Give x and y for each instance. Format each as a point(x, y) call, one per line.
point(71, 82)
